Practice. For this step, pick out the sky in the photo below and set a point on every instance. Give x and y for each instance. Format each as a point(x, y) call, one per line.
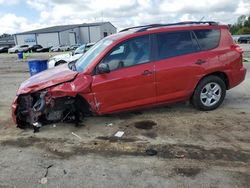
point(24, 15)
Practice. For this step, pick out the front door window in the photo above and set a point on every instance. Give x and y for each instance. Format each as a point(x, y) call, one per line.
point(132, 52)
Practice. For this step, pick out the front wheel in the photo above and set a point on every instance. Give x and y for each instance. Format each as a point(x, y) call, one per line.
point(209, 93)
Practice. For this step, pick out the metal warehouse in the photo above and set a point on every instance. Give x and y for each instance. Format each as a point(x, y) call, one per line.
point(66, 34)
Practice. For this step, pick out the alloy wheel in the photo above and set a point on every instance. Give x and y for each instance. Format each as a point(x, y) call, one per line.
point(210, 94)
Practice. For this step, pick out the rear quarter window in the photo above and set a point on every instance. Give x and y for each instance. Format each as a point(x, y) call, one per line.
point(208, 39)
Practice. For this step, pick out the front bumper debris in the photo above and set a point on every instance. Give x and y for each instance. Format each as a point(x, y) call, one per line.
point(40, 108)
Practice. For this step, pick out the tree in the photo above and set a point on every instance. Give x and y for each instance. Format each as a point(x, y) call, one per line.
point(242, 26)
point(244, 31)
point(241, 20)
point(5, 35)
point(247, 22)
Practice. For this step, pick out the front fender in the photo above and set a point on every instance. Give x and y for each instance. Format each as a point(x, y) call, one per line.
point(80, 85)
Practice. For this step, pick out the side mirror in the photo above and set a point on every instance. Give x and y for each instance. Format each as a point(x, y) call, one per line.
point(103, 68)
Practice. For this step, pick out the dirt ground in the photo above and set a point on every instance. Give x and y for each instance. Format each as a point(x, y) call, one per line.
point(193, 148)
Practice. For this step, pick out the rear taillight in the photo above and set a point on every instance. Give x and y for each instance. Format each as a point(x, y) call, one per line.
point(237, 48)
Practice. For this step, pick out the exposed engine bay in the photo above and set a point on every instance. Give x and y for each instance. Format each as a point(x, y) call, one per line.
point(40, 108)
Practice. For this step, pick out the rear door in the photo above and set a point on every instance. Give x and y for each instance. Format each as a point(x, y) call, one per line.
point(183, 58)
point(176, 68)
point(130, 83)
point(209, 40)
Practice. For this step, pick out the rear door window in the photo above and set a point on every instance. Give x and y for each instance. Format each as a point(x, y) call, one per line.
point(208, 39)
point(171, 44)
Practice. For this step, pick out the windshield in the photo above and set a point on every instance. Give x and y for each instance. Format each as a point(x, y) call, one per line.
point(82, 63)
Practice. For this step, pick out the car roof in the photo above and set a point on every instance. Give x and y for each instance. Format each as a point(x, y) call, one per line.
point(154, 28)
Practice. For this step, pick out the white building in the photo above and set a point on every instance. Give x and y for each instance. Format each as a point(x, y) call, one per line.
point(66, 34)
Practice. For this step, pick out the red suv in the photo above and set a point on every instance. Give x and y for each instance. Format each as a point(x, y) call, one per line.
point(138, 67)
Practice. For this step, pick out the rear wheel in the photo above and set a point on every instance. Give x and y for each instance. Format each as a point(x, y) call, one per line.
point(209, 93)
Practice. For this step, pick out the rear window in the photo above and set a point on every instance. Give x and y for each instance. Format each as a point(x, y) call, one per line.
point(208, 39)
point(171, 44)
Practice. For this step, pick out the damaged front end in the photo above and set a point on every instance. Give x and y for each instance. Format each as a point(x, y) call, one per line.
point(55, 95)
point(40, 108)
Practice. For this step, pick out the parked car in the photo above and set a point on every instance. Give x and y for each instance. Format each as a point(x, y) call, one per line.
point(75, 46)
point(235, 38)
point(18, 48)
point(4, 49)
point(139, 67)
point(44, 49)
point(244, 40)
point(35, 47)
point(60, 48)
point(69, 57)
point(88, 46)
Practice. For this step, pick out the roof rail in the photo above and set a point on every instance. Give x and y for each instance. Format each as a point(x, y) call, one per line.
point(145, 27)
point(151, 25)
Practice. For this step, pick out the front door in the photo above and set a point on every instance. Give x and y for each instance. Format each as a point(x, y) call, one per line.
point(130, 82)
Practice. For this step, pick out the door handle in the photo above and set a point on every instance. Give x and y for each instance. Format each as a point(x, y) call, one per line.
point(200, 61)
point(147, 72)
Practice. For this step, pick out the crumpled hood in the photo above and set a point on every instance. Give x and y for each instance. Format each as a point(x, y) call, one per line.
point(47, 79)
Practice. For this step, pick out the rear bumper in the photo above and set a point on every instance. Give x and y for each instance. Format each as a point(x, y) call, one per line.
point(236, 77)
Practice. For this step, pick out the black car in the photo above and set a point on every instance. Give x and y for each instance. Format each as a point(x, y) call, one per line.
point(35, 47)
point(47, 49)
point(4, 49)
point(244, 40)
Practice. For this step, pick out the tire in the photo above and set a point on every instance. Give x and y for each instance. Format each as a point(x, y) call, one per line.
point(209, 93)
point(60, 62)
